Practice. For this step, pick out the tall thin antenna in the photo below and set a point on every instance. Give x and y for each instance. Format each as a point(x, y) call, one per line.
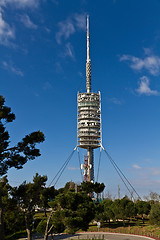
point(88, 62)
point(88, 57)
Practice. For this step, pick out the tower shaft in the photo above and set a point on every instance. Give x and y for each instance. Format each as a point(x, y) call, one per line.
point(90, 154)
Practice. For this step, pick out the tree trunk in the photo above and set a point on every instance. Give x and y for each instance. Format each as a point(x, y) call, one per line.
point(29, 235)
point(45, 213)
point(123, 222)
point(143, 219)
point(45, 236)
point(47, 231)
point(1, 219)
point(28, 226)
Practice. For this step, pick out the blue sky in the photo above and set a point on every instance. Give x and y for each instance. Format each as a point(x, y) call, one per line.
point(42, 67)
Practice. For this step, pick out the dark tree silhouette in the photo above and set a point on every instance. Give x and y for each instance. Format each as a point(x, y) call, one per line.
point(14, 156)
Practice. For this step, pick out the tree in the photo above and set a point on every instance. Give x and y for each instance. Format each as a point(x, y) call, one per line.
point(90, 187)
point(153, 197)
point(14, 156)
point(143, 208)
point(99, 212)
point(108, 213)
point(47, 194)
point(72, 187)
point(71, 211)
point(98, 188)
point(123, 208)
point(28, 196)
point(13, 216)
point(154, 216)
point(87, 187)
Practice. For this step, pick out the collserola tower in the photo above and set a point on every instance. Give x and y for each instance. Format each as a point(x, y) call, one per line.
point(89, 117)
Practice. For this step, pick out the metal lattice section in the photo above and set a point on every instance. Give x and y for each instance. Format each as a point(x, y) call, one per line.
point(88, 75)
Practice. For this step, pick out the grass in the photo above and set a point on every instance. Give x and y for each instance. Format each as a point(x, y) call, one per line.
point(133, 227)
point(20, 234)
point(16, 235)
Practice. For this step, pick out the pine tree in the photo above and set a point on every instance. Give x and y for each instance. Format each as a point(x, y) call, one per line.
point(14, 156)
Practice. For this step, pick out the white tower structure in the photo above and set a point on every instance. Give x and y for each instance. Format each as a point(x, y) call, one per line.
point(89, 117)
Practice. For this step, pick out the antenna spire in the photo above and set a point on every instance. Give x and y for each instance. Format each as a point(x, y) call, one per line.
point(88, 58)
point(88, 62)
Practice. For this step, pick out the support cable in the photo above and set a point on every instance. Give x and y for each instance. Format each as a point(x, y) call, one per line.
point(63, 167)
point(79, 163)
point(99, 163)
point(120, 172)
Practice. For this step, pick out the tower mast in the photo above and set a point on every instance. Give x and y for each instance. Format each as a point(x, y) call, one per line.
point(88, 62)
point(90, 152)
point(89, 118)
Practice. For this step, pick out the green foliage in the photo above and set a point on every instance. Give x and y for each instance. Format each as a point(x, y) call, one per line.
point(143, 207)
point(123, 208)
point(41, 226)
point(13, 216)
point(23, 151)
point(14, 219)
point(28, 195)
point(56, 223)
point(73, 210)
point(108, 212)
point(154, 217)
point(98, 187)
point(14, 156)
point(99, 213)
point(90, 187)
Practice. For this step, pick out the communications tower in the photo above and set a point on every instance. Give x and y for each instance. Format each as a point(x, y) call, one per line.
point(89, 117)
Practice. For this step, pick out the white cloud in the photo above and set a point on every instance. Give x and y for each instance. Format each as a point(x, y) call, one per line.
point(65, 30)
point(12, 69)
point(144, 87)
point(69, 26)
point(20, 3)
point(116, 101)
point(80, 21)
point(69, 51)
point(25, 19)
point(150, 62)
point(136, 166)
point(6, 32)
